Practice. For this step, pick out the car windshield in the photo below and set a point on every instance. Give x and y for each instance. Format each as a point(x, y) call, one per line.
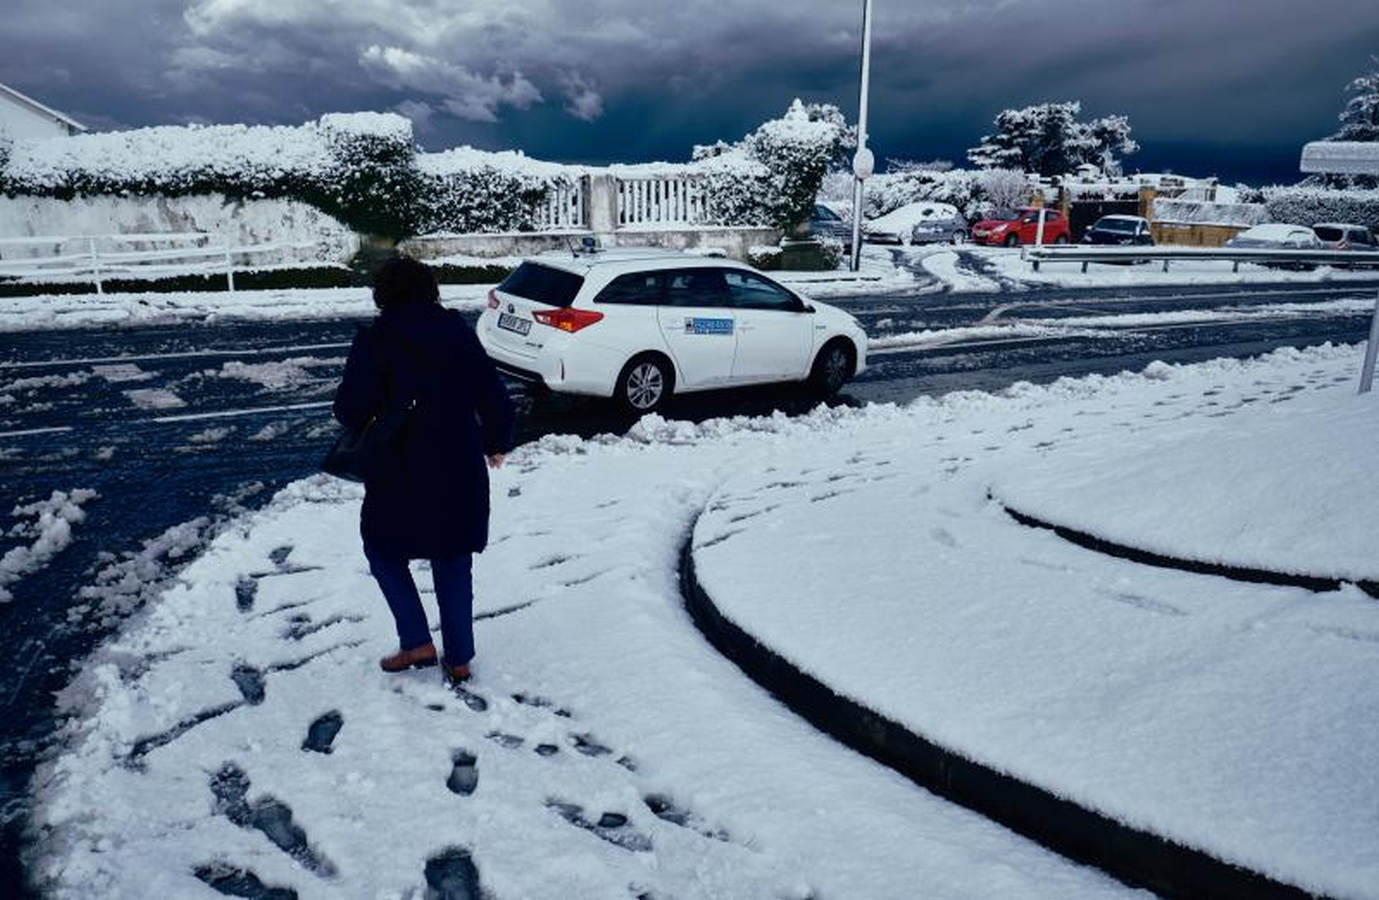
point(825, 214)
point(532, 281)
point(1123, 226)
point(1005, 215)
point(1329, 234)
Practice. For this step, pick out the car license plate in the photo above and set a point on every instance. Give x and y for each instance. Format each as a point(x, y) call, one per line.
point(514, 324)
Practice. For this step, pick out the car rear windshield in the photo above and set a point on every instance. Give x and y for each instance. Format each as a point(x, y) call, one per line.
point(532, 281)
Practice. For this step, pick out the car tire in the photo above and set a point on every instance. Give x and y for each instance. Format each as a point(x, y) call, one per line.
point(833, 367)
point(959, 237)
point(1012, 240)
point(1061, 239)
point(645, 384)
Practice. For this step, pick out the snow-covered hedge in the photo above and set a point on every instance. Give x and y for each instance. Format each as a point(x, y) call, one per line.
point(1308, 206)
point(467, 191)
point(358, 167)
point(364, 170)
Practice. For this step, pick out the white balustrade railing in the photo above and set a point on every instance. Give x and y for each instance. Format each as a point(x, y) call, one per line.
point(92, 257)
point(564, 207)
point(654, 202)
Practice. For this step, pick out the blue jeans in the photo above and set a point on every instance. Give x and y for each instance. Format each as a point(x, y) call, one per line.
point(454, 579)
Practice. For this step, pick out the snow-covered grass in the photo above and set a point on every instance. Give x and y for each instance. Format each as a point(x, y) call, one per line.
point(85, 310)
point(1238, 719)
point(600, 694)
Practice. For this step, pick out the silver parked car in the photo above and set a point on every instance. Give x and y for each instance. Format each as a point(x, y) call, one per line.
point(1345, 236)
point(1274, 236)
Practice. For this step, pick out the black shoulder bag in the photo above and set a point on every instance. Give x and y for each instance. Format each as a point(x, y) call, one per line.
point(359, 454)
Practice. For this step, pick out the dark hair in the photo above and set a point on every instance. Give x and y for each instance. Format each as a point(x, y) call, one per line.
point(401, 281)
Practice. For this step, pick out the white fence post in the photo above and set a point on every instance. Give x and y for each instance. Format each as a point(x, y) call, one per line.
point(95, 266)
point(229, 270)
point(1371, 348)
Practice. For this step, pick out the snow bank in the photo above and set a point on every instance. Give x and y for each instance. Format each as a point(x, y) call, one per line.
point(60, 311)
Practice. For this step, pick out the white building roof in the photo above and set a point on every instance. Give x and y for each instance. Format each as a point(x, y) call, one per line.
point(1341, 158)
point(24, 100)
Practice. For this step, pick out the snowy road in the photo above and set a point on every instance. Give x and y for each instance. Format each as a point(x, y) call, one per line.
point(176, 427)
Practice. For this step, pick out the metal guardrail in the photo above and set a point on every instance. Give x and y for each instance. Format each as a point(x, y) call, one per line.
point(1233, 255)
point(97, 266)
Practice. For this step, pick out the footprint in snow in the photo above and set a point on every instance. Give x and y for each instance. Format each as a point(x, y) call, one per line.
point(250, 682)
point(452, 875)
point(667, 810)
point(612, 827)
point(246, 590)
point(266, 814)
point(320, 735)
point(464, 773)
point(541, 703)
point(232, 881)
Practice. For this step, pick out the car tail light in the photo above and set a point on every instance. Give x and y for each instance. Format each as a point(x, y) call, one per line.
point(567, 319)
point(492, 298)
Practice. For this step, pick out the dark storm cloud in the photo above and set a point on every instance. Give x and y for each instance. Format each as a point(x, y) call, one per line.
point(624, 79)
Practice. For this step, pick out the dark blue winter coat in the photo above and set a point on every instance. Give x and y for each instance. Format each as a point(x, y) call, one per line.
point(432, 499)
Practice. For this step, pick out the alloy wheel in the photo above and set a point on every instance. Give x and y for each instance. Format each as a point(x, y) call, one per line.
point(645, 386)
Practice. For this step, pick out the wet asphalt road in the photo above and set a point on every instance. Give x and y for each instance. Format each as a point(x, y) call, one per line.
point(188, 424)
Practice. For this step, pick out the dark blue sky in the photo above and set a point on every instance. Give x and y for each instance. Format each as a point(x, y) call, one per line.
point(1211, 86)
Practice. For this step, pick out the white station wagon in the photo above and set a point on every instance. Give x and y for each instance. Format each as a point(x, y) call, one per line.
point(639, 325)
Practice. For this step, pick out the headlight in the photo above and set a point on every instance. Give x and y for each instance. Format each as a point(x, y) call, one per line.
point(1000, 228)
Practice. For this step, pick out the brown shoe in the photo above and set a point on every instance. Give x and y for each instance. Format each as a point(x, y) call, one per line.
point(456, 674)
point(416, 658)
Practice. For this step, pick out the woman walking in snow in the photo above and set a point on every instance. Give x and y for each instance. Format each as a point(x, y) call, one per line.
point(430, 500)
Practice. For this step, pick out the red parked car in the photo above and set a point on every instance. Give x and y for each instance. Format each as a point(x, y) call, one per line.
point(1012, 228)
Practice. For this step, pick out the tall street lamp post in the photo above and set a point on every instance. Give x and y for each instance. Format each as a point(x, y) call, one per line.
point(863, 162)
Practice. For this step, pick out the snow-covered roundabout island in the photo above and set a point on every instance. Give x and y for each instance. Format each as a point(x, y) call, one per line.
point(238, 736)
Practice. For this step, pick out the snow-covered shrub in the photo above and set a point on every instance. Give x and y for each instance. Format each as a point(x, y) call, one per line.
point(356, 167)
point(773, 175)
point(372, 184)
point(797, 150)
point(958, 187)
point(1308, 206)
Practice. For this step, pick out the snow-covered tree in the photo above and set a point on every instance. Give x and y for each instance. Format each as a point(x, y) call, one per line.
point(1360, 118)
point(1004, 188)
point(1047, 138)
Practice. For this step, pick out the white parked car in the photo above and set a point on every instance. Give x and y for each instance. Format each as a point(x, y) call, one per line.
point(641, 325)
point(918, 223)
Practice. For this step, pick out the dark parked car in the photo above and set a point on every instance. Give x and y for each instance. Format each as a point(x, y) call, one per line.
point(824, 222)
point(1121, 230)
